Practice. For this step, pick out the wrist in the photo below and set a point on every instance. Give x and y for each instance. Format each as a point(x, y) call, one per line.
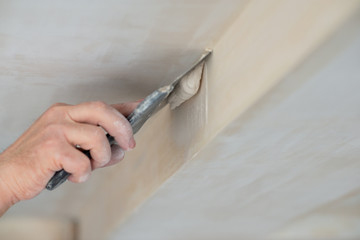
point(7, 198)
point(5, 202)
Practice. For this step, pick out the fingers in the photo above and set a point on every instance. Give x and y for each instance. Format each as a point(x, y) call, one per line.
point(76, 163)
point(109, 118)
point(126, 108)
point(89, 137)
point(49, 145)
point(117, 154)
point(85, 132)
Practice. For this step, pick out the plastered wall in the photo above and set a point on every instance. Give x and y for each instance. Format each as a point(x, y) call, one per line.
point(288, 168)
point(256, 44)
point(112, 51)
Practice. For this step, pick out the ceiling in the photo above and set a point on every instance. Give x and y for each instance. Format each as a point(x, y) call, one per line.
point(74, 51)
point(288, 168)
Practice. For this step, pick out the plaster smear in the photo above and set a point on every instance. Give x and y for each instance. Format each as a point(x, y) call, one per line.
point(187, 87)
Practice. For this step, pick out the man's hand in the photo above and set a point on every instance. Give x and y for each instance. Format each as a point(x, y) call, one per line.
point(49, 145)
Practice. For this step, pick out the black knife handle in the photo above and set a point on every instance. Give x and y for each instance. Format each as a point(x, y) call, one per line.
point(61, 175)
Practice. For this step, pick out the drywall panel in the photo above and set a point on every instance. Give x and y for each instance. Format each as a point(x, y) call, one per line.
point(337, 220)
point(287, 168)
point(180, 137)
point(266, 41)
point(233, 75)
point(35, 228)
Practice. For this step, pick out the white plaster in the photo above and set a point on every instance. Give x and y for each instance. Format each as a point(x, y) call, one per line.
point(187, 87)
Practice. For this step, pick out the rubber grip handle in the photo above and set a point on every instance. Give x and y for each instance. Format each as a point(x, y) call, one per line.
point(56, 180)
point(61, 175)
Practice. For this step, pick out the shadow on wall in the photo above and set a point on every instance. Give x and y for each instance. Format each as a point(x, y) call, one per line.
point(110, 91)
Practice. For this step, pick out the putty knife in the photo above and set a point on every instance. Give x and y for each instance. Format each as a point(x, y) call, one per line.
point(149, 106)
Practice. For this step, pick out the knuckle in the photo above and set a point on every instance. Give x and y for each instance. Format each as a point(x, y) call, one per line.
point(99, 104)
point(56, 155)
point(79, 166)
point(57, 107)
point(123, 127)
point(102, 150)
point(60, 157)
point(58, 104)
point(83, 165)
point(50, 143)
point(56, 111)
point(53, 130)
point(52, 137)
point(99, 133)
point(99, 137)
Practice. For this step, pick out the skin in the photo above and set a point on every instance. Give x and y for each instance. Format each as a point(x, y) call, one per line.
point(49, 145)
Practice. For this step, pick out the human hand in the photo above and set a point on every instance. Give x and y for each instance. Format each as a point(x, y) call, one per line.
point(49, 145)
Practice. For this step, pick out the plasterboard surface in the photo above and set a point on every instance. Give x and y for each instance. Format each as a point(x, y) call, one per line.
point(36, 228)
point(112, 194)
point(288, 168)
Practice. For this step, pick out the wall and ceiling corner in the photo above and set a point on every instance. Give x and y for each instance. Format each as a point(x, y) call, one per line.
point(67, 52)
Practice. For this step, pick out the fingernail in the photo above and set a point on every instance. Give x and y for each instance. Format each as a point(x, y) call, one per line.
point(132, 143)
point(118, 153)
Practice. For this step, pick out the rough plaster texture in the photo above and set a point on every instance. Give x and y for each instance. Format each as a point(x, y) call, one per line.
point(286, 169)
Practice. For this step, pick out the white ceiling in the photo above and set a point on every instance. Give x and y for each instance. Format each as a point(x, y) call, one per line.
point(286, 169)
point(74, 51)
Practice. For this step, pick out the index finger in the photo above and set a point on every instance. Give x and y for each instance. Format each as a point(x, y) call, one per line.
point(126, 108)
point(99, 113)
